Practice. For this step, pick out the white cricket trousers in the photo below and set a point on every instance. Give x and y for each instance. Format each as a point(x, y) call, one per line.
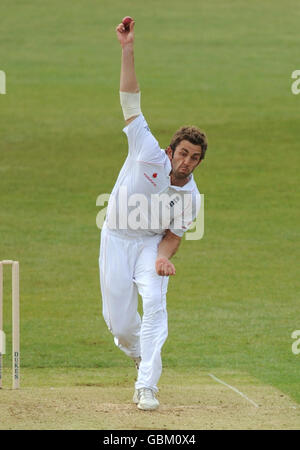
point(127, 268)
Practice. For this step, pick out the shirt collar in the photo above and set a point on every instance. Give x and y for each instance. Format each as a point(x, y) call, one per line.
point(188, 187)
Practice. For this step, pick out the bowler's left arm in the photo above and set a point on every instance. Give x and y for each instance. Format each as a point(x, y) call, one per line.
point(167, 248)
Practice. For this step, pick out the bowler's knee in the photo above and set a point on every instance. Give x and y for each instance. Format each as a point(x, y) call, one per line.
point(123, 332)
point(154, 304)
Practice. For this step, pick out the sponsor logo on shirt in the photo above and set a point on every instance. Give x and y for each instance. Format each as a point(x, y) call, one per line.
point(149, 179)
point(175, 200)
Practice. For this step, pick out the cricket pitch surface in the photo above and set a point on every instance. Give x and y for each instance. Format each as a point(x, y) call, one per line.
point(101, 399)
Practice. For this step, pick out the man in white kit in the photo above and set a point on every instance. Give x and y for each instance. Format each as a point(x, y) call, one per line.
point(137, 244)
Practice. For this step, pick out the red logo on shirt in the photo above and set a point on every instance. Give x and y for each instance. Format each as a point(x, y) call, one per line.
point(148, 178)
point(154, 175)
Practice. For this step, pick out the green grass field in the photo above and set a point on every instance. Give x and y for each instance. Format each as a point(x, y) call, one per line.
point(224, 66)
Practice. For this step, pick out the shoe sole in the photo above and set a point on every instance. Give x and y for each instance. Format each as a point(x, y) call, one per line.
point(147, 408)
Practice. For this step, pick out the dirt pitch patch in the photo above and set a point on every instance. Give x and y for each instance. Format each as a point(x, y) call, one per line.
point(102, 399)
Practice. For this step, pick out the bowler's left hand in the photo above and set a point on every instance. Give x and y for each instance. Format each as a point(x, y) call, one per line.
point(164, 267)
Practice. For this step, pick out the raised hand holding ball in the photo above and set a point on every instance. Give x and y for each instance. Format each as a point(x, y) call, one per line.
point(126, 22)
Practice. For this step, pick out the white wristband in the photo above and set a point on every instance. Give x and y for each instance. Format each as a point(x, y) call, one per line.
point(131, 104)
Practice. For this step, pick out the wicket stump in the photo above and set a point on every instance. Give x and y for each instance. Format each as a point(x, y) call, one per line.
point(15, 321)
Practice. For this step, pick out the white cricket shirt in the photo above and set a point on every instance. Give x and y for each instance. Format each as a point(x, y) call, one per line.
point(143, 201)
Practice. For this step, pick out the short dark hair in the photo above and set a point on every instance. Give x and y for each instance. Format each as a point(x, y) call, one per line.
point(192, 134)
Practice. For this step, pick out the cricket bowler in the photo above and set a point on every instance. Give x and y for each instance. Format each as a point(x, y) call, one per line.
point(153, 203)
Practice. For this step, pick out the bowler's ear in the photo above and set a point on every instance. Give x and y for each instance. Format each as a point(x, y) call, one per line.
point(169, 152)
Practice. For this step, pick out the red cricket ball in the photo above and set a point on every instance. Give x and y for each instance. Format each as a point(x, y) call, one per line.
point(126, 21)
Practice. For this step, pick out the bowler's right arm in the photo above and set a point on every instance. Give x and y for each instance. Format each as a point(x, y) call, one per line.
point(128, 80)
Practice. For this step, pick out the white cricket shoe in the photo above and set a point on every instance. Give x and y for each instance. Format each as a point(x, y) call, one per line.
point(146, 399)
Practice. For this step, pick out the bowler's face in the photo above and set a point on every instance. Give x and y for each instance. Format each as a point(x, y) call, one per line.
point(186, 158)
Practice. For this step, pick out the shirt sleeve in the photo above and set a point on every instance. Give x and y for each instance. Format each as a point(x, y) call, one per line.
point(180, 224)
point(142, 145)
